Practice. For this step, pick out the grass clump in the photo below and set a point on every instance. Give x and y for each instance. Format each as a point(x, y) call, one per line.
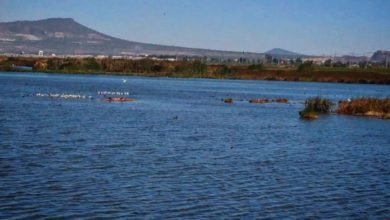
point(315, 106)
point(228, 100)
point(373, 107)
point(319, 105)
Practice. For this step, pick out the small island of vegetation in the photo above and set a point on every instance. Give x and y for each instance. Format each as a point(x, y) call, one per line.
point(315, 106)
point(371, 107)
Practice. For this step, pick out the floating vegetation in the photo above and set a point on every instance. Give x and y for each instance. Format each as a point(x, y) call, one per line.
point(371, 107)
point(259, 101)
point(308, 115)
point(121, 99)
point(63, 96)
point(281, 100)
point(315, 106)
point(228, 100)
point(264, 101)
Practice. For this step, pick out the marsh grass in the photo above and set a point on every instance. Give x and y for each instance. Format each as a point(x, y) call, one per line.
point(366, 106)
point(228, 100)
point(315, 106)
point(318, 105)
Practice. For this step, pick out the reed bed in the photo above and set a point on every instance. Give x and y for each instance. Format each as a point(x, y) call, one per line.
point(315, 106)
point(318, 105)
point(373, 107)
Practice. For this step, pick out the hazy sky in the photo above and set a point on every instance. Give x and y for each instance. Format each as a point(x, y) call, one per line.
point(305, 26)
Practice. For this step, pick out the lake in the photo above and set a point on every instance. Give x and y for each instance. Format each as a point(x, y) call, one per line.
point(179, 151)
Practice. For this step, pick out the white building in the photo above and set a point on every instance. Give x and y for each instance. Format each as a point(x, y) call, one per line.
point(40, 53)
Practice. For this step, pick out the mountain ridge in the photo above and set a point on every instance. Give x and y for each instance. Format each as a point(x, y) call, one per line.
point(381, 56)
point(65, 36)
point(282, 52)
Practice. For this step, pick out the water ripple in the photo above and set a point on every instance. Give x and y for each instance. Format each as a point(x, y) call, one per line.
point(182, 153)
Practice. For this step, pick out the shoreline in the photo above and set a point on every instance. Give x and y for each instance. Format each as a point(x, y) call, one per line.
point(193, 69)
point(173, 76)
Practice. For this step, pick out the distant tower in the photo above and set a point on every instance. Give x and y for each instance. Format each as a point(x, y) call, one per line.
point(40, 53)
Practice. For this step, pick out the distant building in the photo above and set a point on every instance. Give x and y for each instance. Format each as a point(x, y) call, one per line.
point(317, 60)
point(116, 57)
point(40, 53)
point(101, 56)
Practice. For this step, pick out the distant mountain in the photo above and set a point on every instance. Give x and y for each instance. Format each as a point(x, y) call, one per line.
point(67, 37)
point(278, 52)
point(381, 56)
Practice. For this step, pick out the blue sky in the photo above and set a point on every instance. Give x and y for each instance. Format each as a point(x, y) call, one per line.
point(305, 26)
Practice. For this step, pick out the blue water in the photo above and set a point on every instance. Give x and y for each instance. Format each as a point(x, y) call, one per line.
point(181, 152)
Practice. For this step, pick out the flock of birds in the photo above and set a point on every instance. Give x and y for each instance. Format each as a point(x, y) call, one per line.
point(63, 96)
point(77, 96)
point(112, 93)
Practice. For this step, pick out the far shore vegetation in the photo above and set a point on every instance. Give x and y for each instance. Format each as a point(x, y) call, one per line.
point(299, 71)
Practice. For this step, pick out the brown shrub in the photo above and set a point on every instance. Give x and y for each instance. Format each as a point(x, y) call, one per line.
point(366, 106)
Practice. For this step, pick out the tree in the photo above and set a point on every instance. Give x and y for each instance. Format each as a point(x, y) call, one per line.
point(363, 64)
point(339, 64)
point(92, 64)
point(307, 66)
point(199, 67)
point(328, 63)
point(223, 69)
point(157, 68)
point(256, 67)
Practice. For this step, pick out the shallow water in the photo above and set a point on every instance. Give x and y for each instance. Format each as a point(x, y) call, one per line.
point(180, 152)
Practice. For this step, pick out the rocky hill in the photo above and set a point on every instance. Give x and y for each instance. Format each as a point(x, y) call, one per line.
point(381, 56)
point(66, 36)
point(279, 52)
